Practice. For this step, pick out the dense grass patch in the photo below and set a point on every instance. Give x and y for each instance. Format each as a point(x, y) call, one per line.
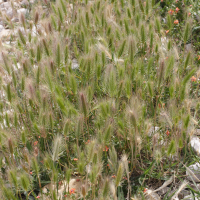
point(106, 91)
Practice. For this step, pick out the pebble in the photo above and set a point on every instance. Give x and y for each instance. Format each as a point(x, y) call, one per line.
point(9, 13)
point(153, 130)
point(15, 19)
point(197, 132)
point(16, 5)
point(149, 194)
point(24, 3)
point(195, 144)
point(188, 47)
point(1, 28)
point(190, 197)
point(75, 64)
point(4, 33)
point(17, 67)
point(183, 193)
point(163, 191)
point(2, 94)
point(32, 1)
point(5, 5)
point(1, 21)
point(195, 168)
point(197, 17)
point(22, 11)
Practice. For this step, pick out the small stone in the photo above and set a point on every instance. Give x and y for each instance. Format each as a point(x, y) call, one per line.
point(1, 21)
point(24, 3)
point(2, 95)
point(5, 5)
point(17, 67)
point(190, 197)
point(16, 5)
point(75, 64)
point(195, 144)
point(149, 194)
point(9, 13)
point(4, 33)
point(32, 1)
point(1, 28)
point(164, 20)
point(197, 132)
point(153, 130)
point(183, 193)
point(175, 198)
point(3, 10)
point(195, 187)
point(22, 11)
point(188, 47)
point(15, 19)
point(163, 191)
point(195, 168)
point(197, 17)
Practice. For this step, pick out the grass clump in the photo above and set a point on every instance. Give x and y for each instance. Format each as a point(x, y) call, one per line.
point(106, 92)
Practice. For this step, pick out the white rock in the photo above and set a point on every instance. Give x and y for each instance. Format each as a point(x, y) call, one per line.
point(1, 21)
point(32, 1)
point(195, 168)
point(7, 42)
point(17, 67)
point(149, 194)
point(2, 93)
point(188, 47)
point(175, 198)
point(164, 20)
point(24, 3)
point(4, 33)
point(4, 124)
point(184, 193)
point(7, 79)
point(5, 5)
point(195, 144)
point(9, 12)
point(3, 10)
point(75, 64)
point(21, 29)
point(197, 17)
point(22, 11)
point(164, 42)
point(15, 19)
point(1, 28)
point(197, 132)
point(190, 197)
point(153, 130)
point(71, 6)
point(34, 31)
point(8, 112)
point(16, 5)
point(163, 191)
